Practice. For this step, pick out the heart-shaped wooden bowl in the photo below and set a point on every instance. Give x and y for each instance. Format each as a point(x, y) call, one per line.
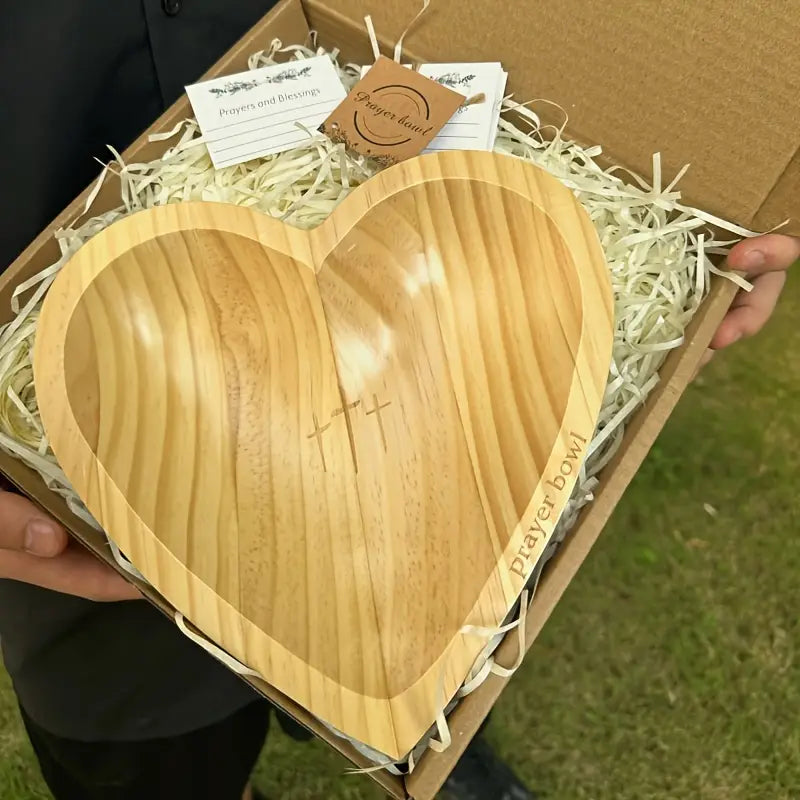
point(333, 450)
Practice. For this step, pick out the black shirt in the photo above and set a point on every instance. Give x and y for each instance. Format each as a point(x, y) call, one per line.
point(76, 75)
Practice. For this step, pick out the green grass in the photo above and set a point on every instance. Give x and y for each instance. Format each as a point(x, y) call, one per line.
point(670, 669)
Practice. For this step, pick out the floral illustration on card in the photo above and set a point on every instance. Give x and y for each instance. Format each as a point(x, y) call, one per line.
point(234, 87)
point(338, 136)
point(455, 81)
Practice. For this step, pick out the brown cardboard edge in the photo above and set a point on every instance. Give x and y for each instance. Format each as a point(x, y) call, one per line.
point(676, 374)
point(338, 28)
point(783, 201)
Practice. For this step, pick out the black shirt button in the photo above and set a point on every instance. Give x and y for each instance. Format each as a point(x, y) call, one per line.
point(171, 7)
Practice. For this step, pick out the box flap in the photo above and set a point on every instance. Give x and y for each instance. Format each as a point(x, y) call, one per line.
point(785, 196)
point(714, 84)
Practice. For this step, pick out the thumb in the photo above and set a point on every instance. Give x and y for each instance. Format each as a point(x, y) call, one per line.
point(24, 527)
point(768, 253)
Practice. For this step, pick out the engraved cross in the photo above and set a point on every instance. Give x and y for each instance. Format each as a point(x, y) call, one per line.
point(377, 412)
point(348, 422)
point(317, 434)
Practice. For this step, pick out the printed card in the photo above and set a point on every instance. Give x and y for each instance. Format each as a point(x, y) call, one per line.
point(474, 127)
point(266, 110)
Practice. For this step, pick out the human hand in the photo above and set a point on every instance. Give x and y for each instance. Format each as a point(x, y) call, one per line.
point(766, 260)
point(35, 549)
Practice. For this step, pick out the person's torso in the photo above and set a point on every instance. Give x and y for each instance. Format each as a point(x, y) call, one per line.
point(74, 77)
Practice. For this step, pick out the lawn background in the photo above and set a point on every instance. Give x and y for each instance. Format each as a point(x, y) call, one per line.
point(670, 669)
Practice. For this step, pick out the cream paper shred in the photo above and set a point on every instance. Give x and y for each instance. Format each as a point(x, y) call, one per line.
point(657, 251)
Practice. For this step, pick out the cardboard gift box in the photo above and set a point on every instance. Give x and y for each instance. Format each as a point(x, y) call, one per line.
point(704, 83)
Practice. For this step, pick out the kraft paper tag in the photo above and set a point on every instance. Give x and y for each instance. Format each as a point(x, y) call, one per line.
point(392, 113)
point(474, 125)
point(265, 111)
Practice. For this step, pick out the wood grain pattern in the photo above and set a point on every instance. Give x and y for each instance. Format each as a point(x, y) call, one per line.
point(331, 450)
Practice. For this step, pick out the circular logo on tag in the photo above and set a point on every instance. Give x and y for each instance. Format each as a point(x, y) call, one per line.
point(392, 115)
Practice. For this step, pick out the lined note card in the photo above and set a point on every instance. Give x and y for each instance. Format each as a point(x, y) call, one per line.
point(473, 127)
point(265, 111)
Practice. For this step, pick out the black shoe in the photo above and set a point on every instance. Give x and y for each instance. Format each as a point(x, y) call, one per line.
point(291, 728)
point(481, 775)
